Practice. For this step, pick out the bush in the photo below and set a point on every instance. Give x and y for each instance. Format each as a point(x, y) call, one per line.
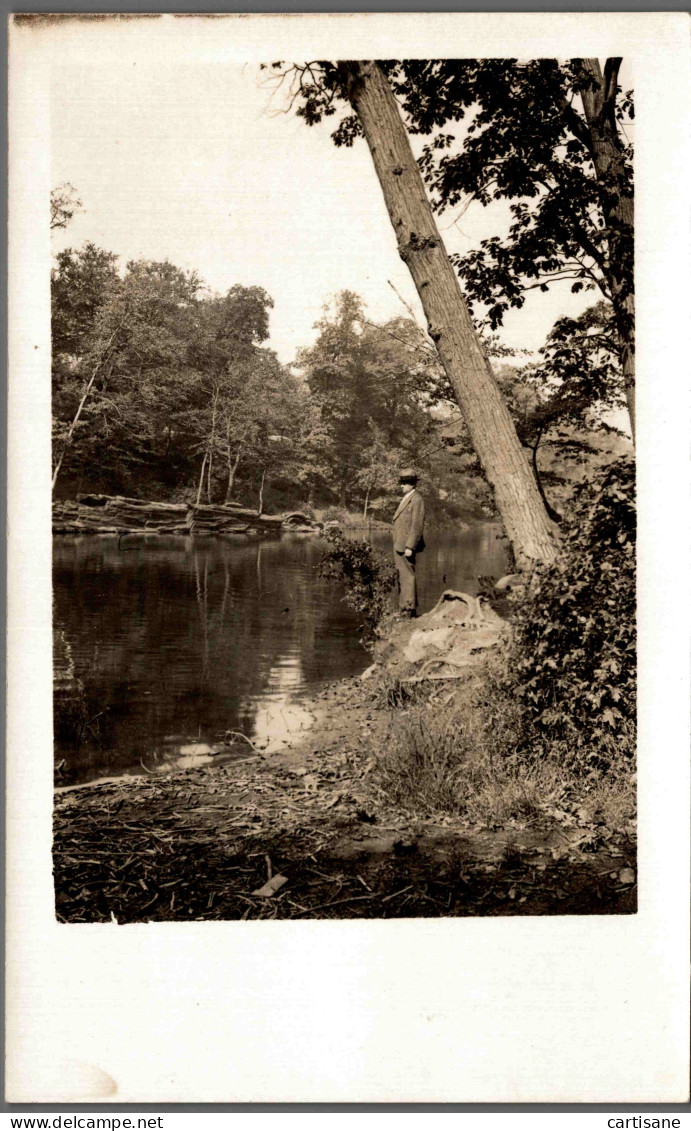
point(367, 575)
point(574, 657)
point(335, 514)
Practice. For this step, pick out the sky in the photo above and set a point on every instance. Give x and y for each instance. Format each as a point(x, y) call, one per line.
point(197, 164)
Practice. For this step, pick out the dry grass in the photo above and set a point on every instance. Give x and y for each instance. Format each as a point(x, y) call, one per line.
point(465, 758)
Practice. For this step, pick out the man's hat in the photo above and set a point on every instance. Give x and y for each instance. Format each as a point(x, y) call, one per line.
point(408, 475)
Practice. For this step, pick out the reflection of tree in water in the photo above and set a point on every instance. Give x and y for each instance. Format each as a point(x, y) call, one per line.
point(182, 636)
point(186, 638)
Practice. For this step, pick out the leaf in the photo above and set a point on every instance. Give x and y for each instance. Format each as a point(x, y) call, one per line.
point(627, 876)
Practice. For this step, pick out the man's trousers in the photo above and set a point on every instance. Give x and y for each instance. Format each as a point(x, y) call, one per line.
point(407, 588)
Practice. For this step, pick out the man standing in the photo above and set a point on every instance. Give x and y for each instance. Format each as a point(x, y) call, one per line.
point(408, 523)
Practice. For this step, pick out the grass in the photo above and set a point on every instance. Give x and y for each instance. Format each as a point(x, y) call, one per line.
point(462, 754)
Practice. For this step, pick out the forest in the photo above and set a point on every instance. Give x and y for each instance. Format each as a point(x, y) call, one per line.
point(186, 401)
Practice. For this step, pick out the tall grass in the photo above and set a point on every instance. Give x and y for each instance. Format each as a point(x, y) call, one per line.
point(467, 757)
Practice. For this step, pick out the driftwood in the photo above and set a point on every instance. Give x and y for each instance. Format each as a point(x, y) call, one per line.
point(116, 514)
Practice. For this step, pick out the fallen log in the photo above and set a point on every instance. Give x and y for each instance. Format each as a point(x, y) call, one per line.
point(118, 514)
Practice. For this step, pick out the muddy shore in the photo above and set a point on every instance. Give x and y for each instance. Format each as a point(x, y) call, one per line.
point(200, 844)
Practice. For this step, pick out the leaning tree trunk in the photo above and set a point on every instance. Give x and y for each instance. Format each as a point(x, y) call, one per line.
point(201, 478)
point(617, 206)
point(420, 246)
point(73, 425)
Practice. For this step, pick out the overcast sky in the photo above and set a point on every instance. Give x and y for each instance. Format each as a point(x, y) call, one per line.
point(194, 163)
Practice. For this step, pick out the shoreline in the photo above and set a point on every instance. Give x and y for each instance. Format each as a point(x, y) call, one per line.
point(199, 844)
point(120, 515)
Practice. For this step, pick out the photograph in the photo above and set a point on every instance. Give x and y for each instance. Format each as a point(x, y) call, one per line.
point(348, 616)
point(343, 487)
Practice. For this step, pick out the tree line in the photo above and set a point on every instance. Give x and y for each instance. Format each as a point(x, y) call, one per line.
point(163, 389)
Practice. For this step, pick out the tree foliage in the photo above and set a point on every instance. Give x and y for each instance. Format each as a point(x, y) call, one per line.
point(372, 387)
point(173, 375)
point(64, 204)
point(547, 136)
point(185, 398)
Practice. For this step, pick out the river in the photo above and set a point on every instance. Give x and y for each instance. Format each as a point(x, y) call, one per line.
point(164, 644)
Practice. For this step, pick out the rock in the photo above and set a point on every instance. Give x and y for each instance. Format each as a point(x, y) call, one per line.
point(444, 643)
point(422, 642)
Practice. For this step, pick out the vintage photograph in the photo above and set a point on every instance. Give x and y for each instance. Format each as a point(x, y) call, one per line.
point(343, 488)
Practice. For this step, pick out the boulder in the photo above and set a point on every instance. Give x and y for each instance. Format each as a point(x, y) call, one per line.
point(444, 643)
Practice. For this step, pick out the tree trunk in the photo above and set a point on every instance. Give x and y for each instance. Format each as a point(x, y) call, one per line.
point(87, 390)
point(260, 507)
point(212, 441)
point(608, 160)
point(232, 468)
point(420, 246)
point(554, 515)
point(208, 476)
point(364, 513)
point(342, 492)
point(201, 479)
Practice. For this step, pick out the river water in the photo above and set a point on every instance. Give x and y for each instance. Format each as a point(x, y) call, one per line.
point(162, 644)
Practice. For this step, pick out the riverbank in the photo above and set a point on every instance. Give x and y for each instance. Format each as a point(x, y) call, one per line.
point(118, 514)
point(320, 824)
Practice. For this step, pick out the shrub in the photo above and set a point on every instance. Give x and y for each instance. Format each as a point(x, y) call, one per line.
point(335, 514)
point(574, 657)
point(367, 575)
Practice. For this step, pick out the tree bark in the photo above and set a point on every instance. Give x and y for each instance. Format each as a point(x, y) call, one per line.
point(492, 432)
point(201, 479)
point(212, 441)
point(260, 507)
point(554, 515)
point(208, 477)
point(608, 160)
point(232, 468)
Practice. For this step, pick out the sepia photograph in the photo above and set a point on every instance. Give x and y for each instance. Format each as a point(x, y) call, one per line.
point(347, 739)
point(343, 400)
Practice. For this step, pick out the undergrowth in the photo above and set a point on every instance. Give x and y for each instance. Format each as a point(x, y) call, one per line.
point(547, 724)
point(465, 757)
point(573, 661)
point(367, 575)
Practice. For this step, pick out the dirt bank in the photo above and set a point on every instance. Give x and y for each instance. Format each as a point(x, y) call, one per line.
point(199, 844)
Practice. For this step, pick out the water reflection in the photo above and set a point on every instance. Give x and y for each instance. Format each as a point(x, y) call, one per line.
point(163, 647)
